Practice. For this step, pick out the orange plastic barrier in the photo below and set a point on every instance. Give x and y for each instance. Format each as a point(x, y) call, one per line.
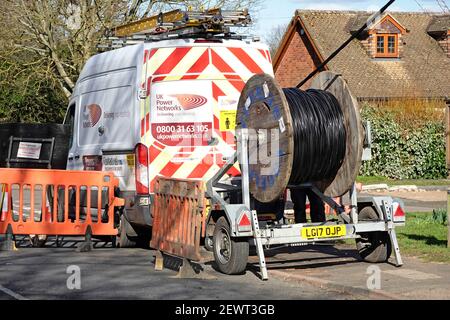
point(179, 212)
point(57, 202)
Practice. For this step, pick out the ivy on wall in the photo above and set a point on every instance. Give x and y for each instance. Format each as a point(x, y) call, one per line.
point(405, 145)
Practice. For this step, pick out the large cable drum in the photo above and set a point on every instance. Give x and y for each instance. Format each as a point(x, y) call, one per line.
point(297, 137)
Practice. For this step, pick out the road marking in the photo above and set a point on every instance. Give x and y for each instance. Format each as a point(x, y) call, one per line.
point(12, 293)
point(412, 274)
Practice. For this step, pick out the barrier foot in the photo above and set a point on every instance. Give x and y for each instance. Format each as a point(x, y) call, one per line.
point(8, 244)
point(189, 270)
point(87, 244)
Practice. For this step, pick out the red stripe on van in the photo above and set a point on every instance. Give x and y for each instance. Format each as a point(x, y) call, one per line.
point(154, 152)
point(249, 63)
point(148, 54)
point(238, 84)
point(268, 56)
point(170, 169)
point(217, 92)
point(220, 64)
point(187, 149)
point(145, 55)
point(142, 127)
point(190, 77)
point(172, 61)
point(157, 79)
point(220, 162)
point(203, 167)
point(264, 53)
point(200, 65)
point(147, 122)
point(158, 144)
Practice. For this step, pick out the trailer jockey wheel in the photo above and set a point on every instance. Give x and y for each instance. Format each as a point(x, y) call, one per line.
point(230, 254)
point(374, 247)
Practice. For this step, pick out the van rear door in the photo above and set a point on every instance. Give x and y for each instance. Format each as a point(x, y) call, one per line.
point(194, 91)
point(106, 126)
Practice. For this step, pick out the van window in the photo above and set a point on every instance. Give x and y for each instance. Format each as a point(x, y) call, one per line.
point(70, 120)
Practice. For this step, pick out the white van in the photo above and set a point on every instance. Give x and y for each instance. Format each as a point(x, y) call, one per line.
point(159, 108)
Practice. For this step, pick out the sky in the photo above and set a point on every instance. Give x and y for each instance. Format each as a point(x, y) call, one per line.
point(280, 12)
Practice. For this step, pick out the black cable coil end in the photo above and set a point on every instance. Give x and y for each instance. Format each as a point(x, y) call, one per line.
point(319, 135)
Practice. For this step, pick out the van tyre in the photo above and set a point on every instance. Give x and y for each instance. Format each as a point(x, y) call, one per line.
point(373, 247)
point(230, 254)
point(124, 240)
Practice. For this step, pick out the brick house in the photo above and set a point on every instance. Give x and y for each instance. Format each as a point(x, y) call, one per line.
point(402, 55)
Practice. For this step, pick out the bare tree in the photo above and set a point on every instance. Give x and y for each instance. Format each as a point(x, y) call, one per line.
point(54, 38)
point(274, 37)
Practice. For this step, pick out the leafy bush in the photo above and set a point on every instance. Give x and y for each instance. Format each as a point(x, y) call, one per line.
point(440, 216)
point(406, 145)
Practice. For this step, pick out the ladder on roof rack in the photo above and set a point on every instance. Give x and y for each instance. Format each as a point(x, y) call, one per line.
point(178, 23)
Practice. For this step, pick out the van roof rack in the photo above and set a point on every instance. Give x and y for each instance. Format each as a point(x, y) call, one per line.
point(213, 23)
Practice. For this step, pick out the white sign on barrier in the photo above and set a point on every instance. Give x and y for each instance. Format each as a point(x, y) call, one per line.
point(29, 150)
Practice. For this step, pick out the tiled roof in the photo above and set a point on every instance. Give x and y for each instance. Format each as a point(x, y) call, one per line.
point(440, 24)
point(423, 70)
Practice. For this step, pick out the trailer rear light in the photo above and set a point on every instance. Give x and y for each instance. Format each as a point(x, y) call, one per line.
point(142, 183)
point(243, 223)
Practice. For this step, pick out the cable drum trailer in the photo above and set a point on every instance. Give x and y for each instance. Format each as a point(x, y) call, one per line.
point(262, 107)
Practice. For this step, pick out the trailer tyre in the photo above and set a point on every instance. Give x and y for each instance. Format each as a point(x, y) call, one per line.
point(373, 247)
point(230, 254)
point(123, 240)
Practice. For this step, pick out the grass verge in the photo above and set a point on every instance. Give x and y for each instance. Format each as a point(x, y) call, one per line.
point(424, 237)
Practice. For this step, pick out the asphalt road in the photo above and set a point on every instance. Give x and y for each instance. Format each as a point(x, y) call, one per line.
point(425, 201)
point(107, 273)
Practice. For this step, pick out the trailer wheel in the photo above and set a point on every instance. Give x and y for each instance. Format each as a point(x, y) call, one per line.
point(123, 240)
point(230, 254)
point(373, 247)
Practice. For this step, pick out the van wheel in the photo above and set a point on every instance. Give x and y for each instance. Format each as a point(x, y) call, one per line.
point(373, 247)
point(230, 254)
point(123, 241)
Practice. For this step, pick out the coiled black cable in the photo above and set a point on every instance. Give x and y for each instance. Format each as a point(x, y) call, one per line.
point(319, 135)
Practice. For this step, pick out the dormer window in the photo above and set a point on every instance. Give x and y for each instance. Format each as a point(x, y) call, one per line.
point(439, 29)
point(387, 46)
point(383, 39)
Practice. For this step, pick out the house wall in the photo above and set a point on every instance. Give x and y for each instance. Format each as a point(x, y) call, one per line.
point(297, 62)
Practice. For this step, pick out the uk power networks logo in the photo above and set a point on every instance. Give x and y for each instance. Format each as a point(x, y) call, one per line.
point(91, 115)
point(190, 101)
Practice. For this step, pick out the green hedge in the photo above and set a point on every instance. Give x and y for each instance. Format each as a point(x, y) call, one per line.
point(404, 149)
